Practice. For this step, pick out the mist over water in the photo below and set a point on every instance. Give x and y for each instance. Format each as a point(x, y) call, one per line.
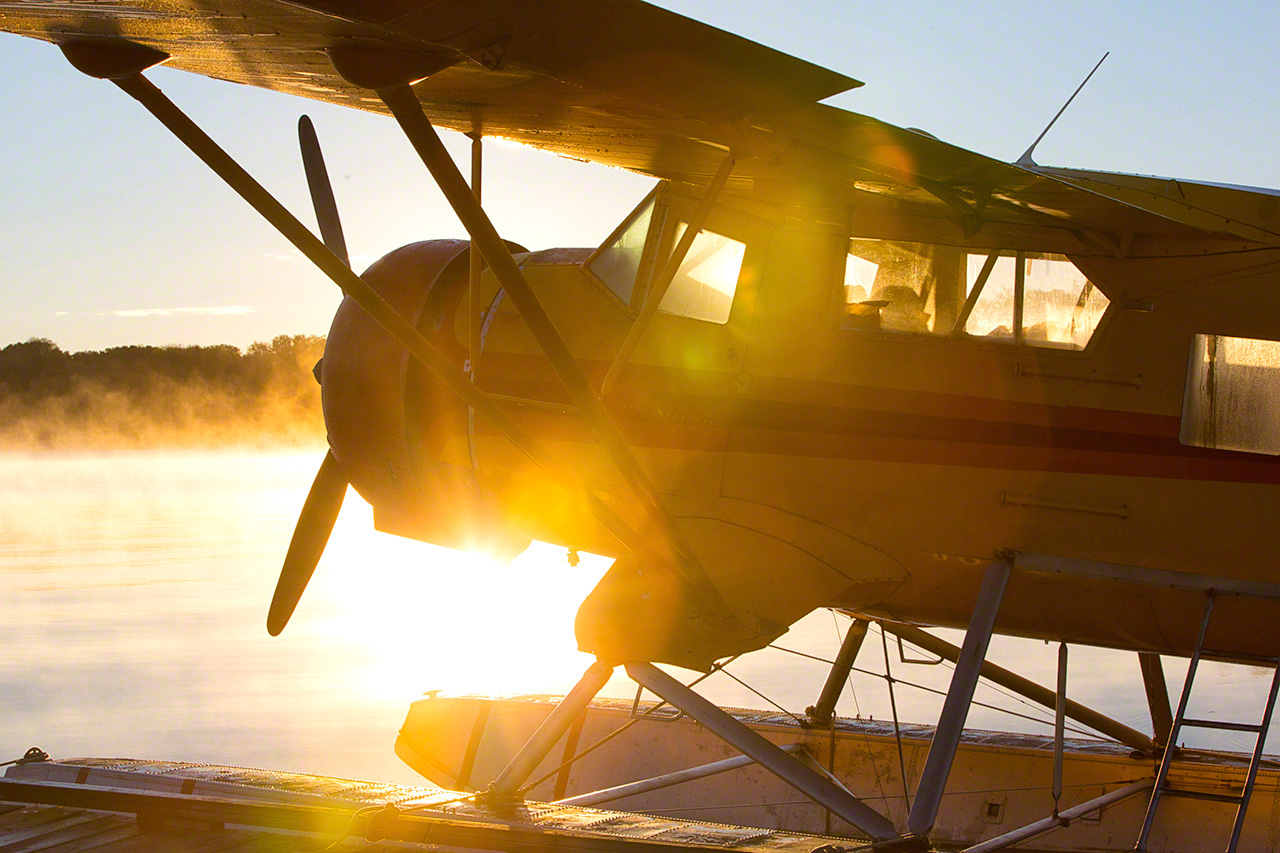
point(144, 397)
point(133, 596)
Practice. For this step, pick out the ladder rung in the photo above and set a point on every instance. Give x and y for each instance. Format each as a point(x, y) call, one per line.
point(1221, 724)
point(1202, 795)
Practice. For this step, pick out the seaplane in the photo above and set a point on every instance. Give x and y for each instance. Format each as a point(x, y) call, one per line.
point(827, 362)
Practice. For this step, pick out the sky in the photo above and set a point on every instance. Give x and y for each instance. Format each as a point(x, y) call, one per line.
point(111, 233)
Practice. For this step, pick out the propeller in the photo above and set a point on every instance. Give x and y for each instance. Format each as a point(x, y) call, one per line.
point(321, 190)
point(315, 523)
point(320, 510)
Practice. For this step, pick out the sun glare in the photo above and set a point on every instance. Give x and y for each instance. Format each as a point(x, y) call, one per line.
point(424, 617)
point(713, 261)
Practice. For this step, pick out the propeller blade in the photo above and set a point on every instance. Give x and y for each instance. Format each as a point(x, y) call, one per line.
point(321, 190)
point(315, 523)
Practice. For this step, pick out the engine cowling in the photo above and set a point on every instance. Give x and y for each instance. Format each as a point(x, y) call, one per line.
point(389, 420)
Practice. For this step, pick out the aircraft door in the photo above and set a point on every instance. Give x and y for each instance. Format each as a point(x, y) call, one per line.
point(699, 333)
point(679, 385)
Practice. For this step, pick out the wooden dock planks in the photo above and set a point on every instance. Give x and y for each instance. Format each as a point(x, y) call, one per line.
point(59, 829)
point(89, 805)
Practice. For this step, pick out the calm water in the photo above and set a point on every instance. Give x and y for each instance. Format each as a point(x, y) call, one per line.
point(133, 598)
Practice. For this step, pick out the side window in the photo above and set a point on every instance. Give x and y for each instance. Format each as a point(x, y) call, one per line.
point(901, 287)
point(704, 285)
point(616, 264)
point(1232, 397)
point(633, 258)
point(1032, 298)
point(1054, 304)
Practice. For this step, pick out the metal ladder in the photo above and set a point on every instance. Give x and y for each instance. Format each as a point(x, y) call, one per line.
point(1161, 787)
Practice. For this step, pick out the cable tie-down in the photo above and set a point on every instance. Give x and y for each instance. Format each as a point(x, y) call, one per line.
point(31, 756)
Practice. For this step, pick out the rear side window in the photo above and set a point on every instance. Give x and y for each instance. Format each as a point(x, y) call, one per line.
point(1232, 397)
point(1058, 305)
point(1031, 298)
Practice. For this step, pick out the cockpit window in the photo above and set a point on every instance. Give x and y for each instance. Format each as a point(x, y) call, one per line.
point(1032, 298)
point(704, 285)
point(1232, 398)
point(617, 263)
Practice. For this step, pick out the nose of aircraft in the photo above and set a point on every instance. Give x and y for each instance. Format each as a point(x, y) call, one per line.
point(398, 433)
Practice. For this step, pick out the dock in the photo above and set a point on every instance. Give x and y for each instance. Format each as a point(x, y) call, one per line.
point(121, 805)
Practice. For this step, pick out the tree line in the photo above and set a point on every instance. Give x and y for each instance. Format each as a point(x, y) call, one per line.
point(174, 396)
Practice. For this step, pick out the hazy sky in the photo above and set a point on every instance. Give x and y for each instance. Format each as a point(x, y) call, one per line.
point(112, 233)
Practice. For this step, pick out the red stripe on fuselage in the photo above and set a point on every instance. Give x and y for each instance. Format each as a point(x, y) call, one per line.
point(892, 425)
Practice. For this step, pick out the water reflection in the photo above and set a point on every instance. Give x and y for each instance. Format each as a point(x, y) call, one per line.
point(133, 598)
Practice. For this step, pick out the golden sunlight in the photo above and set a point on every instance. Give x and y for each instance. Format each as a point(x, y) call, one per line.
point(713, 261)
point(428, 618)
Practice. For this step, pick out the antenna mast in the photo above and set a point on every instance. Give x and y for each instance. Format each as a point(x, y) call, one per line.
point(1025, 159)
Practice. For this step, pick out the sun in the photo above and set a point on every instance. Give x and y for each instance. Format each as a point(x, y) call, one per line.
point(423, 617)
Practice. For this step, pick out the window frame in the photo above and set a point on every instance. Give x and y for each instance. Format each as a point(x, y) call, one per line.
point(670, 207)
point(957, 337)
point(725, 222)
point(645, 268)
point(1192, 378)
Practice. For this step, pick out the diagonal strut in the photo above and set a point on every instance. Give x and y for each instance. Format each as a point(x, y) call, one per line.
point(406, 109)
point(103, 60)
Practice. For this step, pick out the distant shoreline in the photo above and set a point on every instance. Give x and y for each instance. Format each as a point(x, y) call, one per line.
point(173, 397)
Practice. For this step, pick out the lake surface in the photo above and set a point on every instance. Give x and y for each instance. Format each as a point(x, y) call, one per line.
point(133, 597)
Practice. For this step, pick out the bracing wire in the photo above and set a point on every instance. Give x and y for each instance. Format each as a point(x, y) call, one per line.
point(875, 767)
point(761, 695)
point(1045, 717)
point(719, 667)
point(897, 731)
point(927, 689)
point(1039, 709)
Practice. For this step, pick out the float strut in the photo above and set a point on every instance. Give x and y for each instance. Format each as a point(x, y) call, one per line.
point(1157, 697)
point(539, 745)
point(766, 753)
point(1059, 726)
point(955, 709)
point(822, 713)
point(666, 780)
point(1083, 714)
point(1058, 821)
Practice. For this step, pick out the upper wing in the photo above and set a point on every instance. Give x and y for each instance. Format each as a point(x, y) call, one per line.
point(630, 85)
point(533, 60)
point(1248, 212)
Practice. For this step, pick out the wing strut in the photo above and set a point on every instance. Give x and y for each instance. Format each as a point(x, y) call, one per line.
point(475, 320)
point(660, 285)
point(475, 264)
point(354, 64)
point(123, 63)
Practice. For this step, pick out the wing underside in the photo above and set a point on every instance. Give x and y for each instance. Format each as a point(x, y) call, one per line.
point(629, 85)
